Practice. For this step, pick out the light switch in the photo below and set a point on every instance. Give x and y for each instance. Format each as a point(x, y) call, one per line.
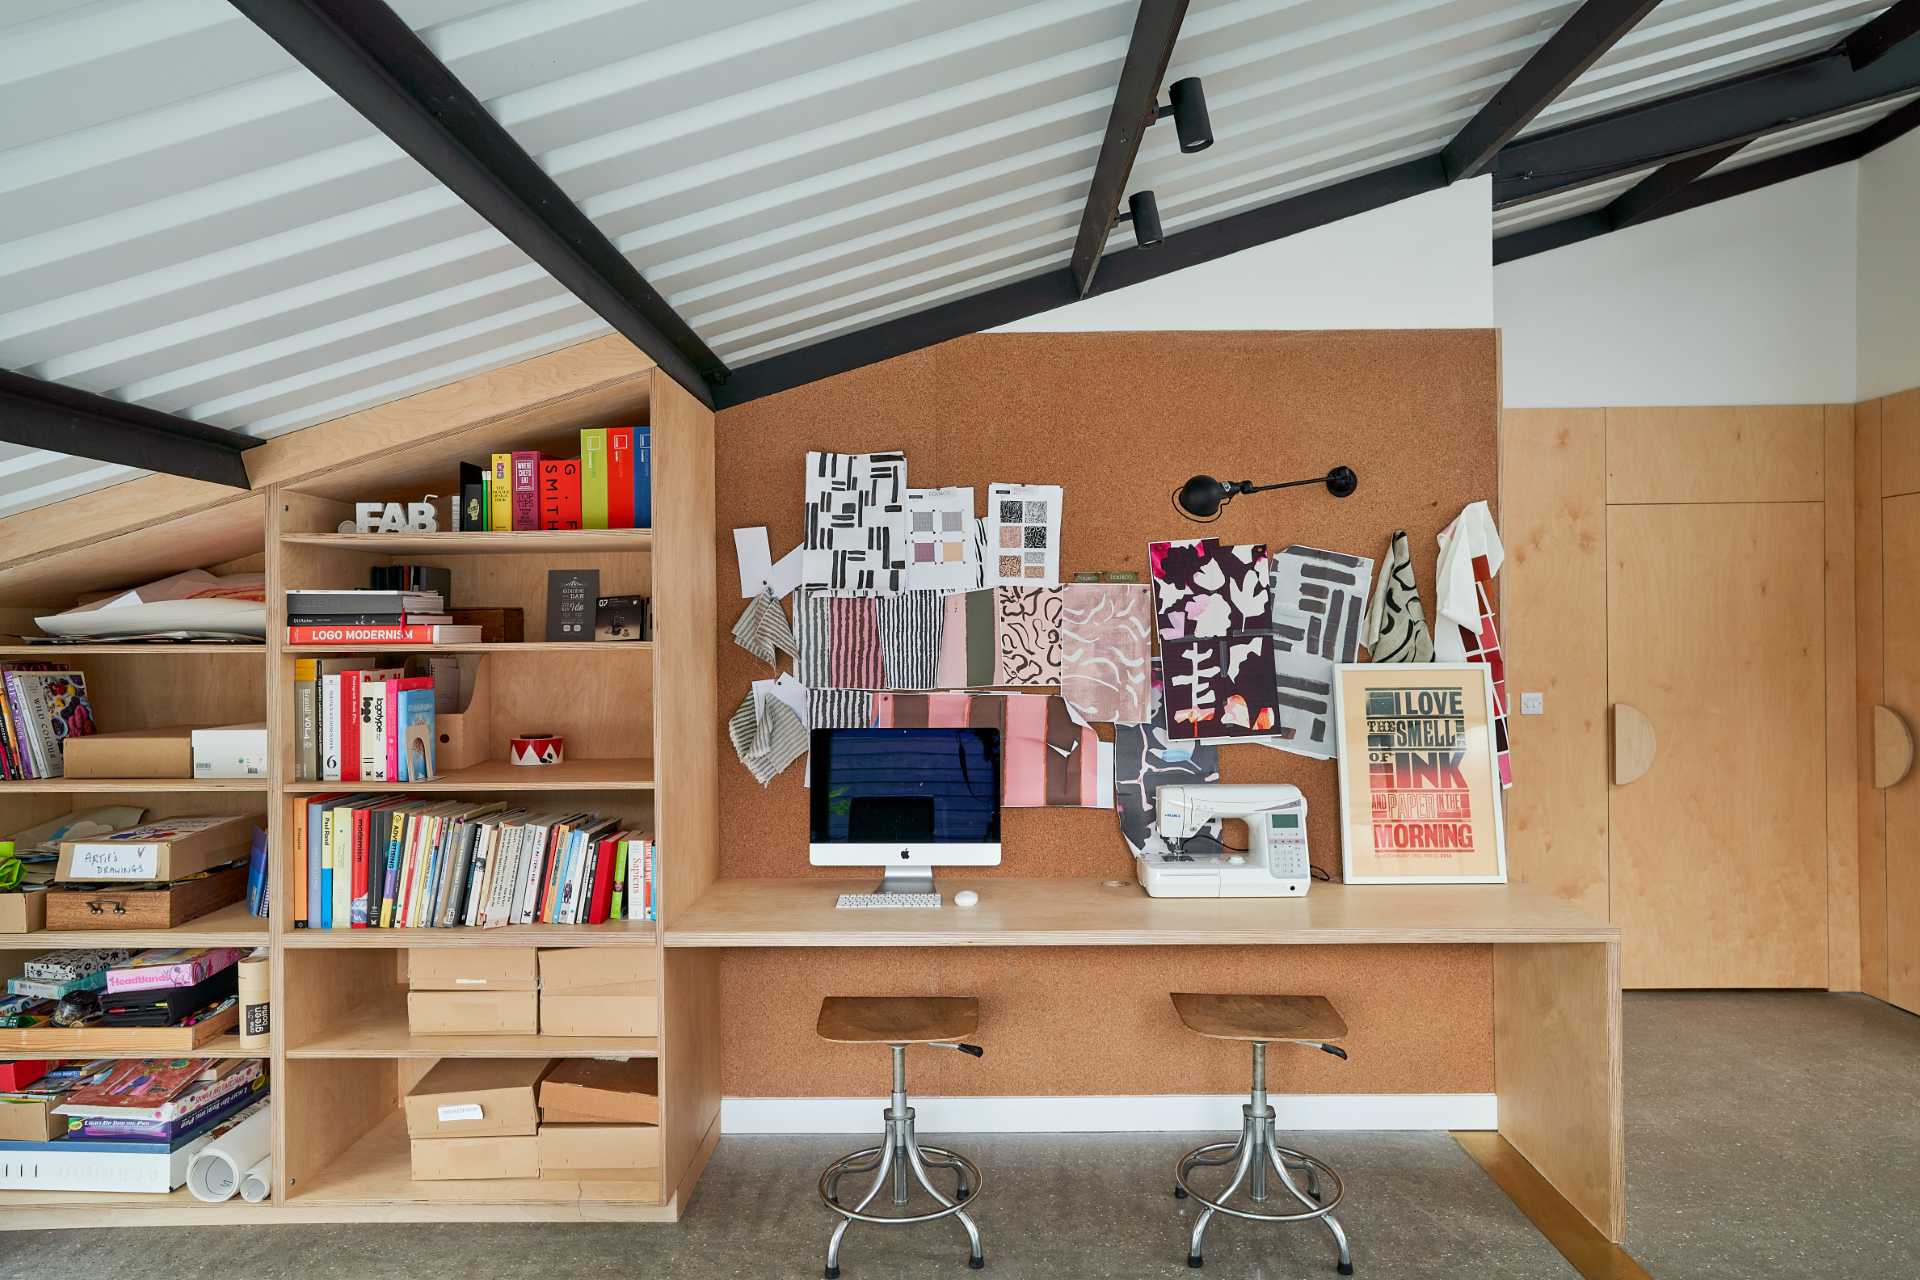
point(1533, 704)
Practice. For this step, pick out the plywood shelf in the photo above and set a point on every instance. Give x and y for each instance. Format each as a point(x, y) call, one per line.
point(377, 1170)
point(120, 650)
point(230, 926)
point(623, 774)
point(32, 786)
point(523, 542)
point(613, 933)
point(381, 1032)
point(224, 1046)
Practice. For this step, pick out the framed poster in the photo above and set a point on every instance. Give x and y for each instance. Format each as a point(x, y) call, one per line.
point(1419, 774)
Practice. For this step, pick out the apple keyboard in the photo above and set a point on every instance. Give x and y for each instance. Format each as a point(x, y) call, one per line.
point(863, 901)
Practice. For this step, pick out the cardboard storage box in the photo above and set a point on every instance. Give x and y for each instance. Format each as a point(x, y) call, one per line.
point(476, 1098)
point(447, 1159)
point(165, 849)
point(144, 905)
point(131, 753)
point(600, 971)
point(473, 1013)
point(31, 1121)
point(23, 912)
point(593, 1090)
point(230, 751)
point(598, 1150)
point(586, 1015)
point(472, 969)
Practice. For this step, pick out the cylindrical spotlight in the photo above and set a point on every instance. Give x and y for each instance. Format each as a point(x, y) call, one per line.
point(1145, 211)
point(1190, 114)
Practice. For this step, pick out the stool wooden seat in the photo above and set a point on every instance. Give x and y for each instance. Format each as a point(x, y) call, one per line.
point(1262, 1019)
point(897, 1019)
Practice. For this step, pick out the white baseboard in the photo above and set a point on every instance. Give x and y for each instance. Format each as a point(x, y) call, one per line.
point(1180, 1113)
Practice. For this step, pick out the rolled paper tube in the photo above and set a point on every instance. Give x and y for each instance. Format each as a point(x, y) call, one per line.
point(258, 1184)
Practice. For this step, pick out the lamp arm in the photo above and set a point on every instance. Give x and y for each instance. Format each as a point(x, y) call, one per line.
point(1247, 486)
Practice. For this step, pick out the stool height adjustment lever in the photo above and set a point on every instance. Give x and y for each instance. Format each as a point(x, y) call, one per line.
point(973, 1050)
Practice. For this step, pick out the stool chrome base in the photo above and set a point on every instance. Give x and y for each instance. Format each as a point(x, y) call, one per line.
point(1256, 1152)
point(901, 1159)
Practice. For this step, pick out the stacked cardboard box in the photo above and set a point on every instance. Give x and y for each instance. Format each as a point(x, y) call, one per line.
point(599, 1119)
point(599, 991)
point(472, 991)
point(476, 1118)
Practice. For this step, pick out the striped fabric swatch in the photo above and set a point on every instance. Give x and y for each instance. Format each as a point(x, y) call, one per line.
point(840, 708)
point(767, 736)
point(763, 629)
point(810, 631)
point(853, 643)
point(909, 626)
point(1046, 759)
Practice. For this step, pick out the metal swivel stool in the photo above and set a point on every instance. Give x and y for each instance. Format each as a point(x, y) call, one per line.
point(1263, 1020)
point(898, 1021)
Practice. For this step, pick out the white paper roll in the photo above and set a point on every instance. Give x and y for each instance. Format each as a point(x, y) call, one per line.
point(258, 1184)
point(215, 1172)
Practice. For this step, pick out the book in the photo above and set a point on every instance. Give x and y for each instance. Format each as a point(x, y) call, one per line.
point(95, 981)
point(363, 635)
point(470, 515)
point(370, 620)
point(425, 578)
point(527, 466)
point(500, 492)
point(415, 731)
point(65, 966)
point(306, 604)
point(170, 967)
point(257, 875)
point(560, 493)
point(47, 708)
point(219, 1098)
point(643, 477)
point(572, 600)
point(593, 478)
point(375, 731)
point(619, 477)
point(306, 716)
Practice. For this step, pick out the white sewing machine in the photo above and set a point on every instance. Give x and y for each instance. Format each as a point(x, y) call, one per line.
point(1274, 864)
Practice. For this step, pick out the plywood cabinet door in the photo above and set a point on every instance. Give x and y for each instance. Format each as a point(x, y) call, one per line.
point(1901, 692)
point(1716, 631)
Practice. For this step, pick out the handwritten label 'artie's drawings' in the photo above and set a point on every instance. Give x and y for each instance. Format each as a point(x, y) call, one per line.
point(1420, 803)
point(115, 862)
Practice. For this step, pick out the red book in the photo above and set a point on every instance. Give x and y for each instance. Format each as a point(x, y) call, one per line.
point(526, 489)
point(619, 477)
point(349, 721)
point(359, 636)
point(560, 493)
point(18, 1075)
point(362, 830)
point(600, 904)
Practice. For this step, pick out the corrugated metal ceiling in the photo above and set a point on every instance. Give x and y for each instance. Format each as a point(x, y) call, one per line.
point(190, 220)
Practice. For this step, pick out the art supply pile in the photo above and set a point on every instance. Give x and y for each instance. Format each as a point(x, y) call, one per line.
point(162, 987)
point(387, 861)
point(154, 876)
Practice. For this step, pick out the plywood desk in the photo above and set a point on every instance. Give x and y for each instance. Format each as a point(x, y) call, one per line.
point(1556, 975)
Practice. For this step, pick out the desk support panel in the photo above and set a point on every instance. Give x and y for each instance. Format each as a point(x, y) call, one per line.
point(1557, 1070)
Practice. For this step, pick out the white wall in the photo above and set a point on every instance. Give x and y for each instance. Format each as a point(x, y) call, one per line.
point(1419, 264)
point(1889, 303)
point(1748, 301)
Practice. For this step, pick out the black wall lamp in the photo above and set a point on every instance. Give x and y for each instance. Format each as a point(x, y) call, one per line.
point(1202, 497)
point(1143, 211)
point(1187, 104)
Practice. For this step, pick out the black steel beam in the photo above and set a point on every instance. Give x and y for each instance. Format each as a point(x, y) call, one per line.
point(1648, 197)
point(368, 55)
point(1703, 119)
point(1870, 43)
point(46, 415)
point(1155, 27)
point(1711, 188)
point(1577, 45)
point(1058, 287)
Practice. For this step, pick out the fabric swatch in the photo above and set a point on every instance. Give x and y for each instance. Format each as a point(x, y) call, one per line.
point(1470, 555)
point(856, 522)
point(1106, 644)
point(983, 658)
point(942, 540)
point(839, 708)
point(1319, 602)
point(909, 629)
point(1220, 688)
point(1046, 759)
point(763, 629)
point(1203, 587)
point(811, 633)
point(1396, 624)
point(1023, 534)
point(1146, 759)
point(767, 736)
point(950, 668)
point(1026, 633)
point(853, 643)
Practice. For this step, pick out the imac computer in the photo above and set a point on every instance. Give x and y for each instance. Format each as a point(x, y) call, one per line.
point(906, 800)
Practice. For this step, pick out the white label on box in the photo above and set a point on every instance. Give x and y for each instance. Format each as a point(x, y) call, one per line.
point(115, 862)
point(461, 1111)
point(469, 982)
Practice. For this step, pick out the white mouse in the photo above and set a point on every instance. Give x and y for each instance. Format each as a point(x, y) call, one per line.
point(965, 898)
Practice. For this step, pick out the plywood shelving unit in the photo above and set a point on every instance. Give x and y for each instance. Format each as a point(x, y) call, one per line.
point(641, 723)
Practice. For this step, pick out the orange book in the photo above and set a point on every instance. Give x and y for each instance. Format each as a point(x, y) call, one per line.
point(300, 862)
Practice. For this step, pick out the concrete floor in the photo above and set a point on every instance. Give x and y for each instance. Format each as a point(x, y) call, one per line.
point(1745, 1110)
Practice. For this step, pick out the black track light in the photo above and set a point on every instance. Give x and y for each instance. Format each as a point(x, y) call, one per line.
point(1202, 497)
point(1143, 211)
point(1187, 104)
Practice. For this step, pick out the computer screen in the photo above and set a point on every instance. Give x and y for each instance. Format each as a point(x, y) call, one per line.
point(905, 786)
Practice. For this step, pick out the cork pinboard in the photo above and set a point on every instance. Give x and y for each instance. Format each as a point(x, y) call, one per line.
point(1120, 420)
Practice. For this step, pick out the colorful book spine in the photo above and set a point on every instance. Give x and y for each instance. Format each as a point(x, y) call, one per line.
point(526, 489)
point(306, 711)
point(500, 492)
point(560, 493)
point(619, 477)
point(593, 478)
point(643, 477)
point(374, 634)
point(173, 968)
point(359, 833)
point(349, 726)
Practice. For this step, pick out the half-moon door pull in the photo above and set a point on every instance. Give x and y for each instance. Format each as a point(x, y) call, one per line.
point(1633, 744)
point(1892, 747)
